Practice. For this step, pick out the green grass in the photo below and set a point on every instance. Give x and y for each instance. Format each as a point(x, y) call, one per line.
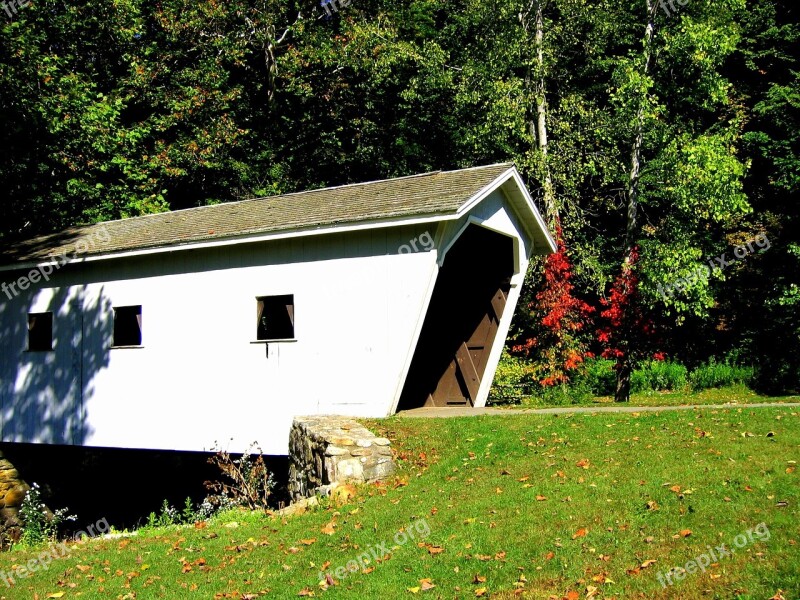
point(737, 394)
point(734, 394)
point(506, 499)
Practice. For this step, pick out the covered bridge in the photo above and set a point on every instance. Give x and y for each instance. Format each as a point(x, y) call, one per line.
point(219, 324)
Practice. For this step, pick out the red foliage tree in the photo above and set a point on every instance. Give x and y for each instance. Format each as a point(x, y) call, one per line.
point(555, 344)
point(627, 329)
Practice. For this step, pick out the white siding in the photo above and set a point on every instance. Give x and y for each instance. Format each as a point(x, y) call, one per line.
point(198, 379)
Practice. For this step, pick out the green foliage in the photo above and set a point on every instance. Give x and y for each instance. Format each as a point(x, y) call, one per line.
point(513, 379)
point(189, 514)
point(561, 394)
point(720, 374)
point(39, 524)
point(600, 376)
point(597, 377)
point(659, 375)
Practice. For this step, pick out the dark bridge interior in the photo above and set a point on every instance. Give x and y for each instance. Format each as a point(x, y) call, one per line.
point(462, 320)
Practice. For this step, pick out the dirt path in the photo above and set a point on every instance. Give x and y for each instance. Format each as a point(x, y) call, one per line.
point(461, 411)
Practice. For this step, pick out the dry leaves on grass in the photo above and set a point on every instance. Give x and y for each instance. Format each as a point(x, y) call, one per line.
point(329, 529)
point(580, 533)
point(424, 585)
point(683, 533)
point(644, 565)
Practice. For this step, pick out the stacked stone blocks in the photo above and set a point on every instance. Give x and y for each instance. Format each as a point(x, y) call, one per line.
point(328, 450)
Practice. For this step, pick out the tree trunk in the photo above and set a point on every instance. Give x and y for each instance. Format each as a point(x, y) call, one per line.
point(623, 391)
point(551, 210)
point(625, 362)
point(538, 121)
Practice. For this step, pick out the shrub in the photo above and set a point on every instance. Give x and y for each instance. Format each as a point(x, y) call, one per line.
point(599, 376)
point(714, 375)
point(658, 376)
point(249, 483)
point(512, 380)
point(576, 392)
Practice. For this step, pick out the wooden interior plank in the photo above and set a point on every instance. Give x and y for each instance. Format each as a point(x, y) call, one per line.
point(499, 304)
point(468, 371)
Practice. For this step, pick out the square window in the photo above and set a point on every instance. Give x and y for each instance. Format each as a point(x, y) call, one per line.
point(275, 317)
point(127, 326)
point(40, 332)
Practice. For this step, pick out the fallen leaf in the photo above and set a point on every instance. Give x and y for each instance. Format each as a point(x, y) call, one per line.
point(580, 533)
point(329, 529)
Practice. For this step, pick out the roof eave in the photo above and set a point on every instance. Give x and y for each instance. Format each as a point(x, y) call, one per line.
point(248, 238)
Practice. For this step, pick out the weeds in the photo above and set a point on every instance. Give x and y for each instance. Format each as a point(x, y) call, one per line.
point(250, 484)
point(39, 523)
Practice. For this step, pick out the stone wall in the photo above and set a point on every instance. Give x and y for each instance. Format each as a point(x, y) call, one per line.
point(326, 450)
point(12, 493)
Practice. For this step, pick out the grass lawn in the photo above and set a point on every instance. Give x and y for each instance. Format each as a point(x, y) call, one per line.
point(531, 506)
point(726, 395)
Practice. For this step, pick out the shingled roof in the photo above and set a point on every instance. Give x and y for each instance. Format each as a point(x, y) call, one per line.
point(431, 194)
